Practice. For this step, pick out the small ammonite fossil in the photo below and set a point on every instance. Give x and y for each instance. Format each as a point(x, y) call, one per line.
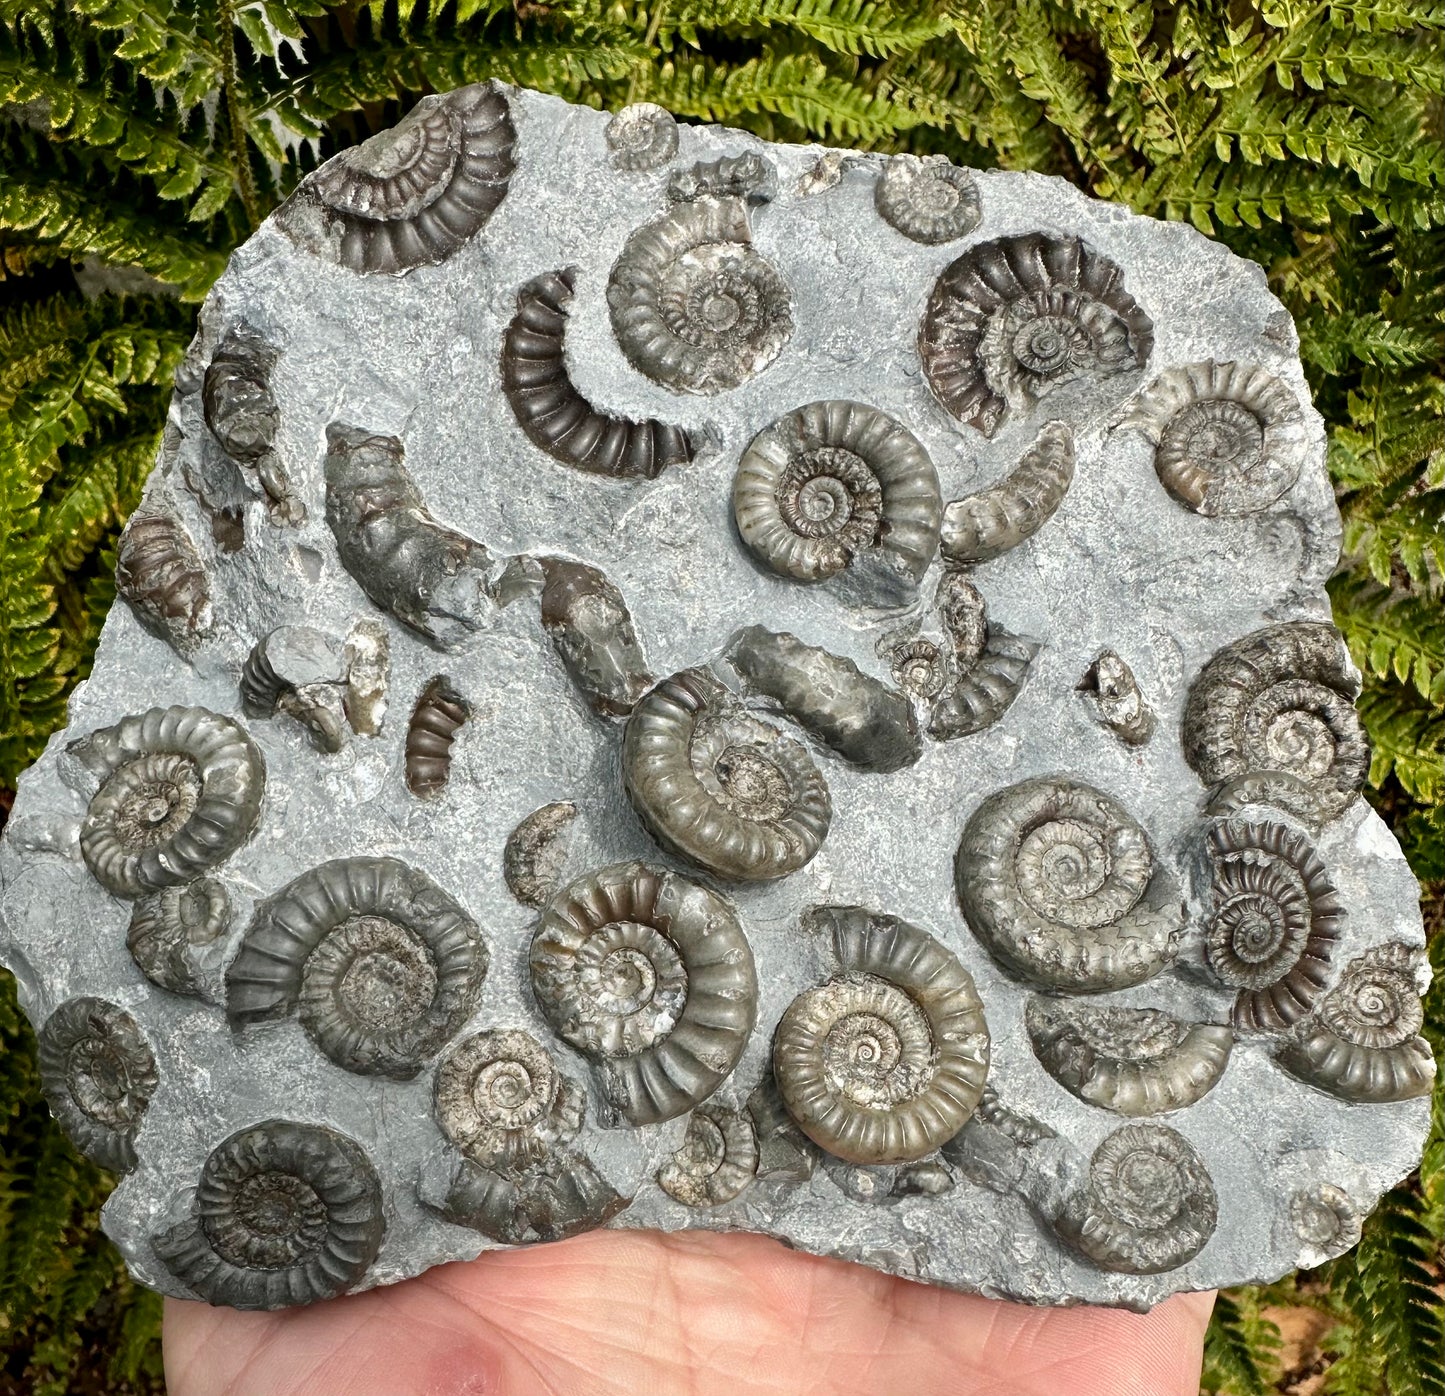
point(1011, 320)
point(746, 175)
point(563, 1195)
point(694, 305)
point(1326, 1221)
point(180, 792)
point(837, 485)
point(98, 1074)
point(159, 571)
point(411, 196)
point(1281, 700)
point(591, 627)
point(172, 928)
point(285, 1213)
point(1061, 885)
point(1149, 1205)
point(985, 689)
point(1363, 1040)
point(649, 976)
point(1274, 923)
point(535, 852)
point(641, 137)
point(1116, 700)
point(717, 1161)
point(920, 667)
point(435, 721)
point(885, 1061)
point(929, 200)
point(1229, 438)
point(1135, 1061)
point(720, 787)
point(556, 417)
point(380, 964)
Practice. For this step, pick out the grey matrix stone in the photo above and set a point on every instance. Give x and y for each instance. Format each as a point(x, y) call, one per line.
point(667, 681)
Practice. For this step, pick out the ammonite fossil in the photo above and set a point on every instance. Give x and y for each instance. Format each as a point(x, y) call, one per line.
point(1363, 1040)
point(535, 851)
point(1011, 320)
point(641, 137)
point(561, 1196)
point(556, 417)
point(98, 1075)
point(1229, 438)
point(1274, 922)
point(411, 196)
point(368, 676)
point(718, 1159)
point(436, 719)
point(592, 631)
point(169, 930)
point(963, 614)
point(1149, 1205)
point(381, 966)
point(1116, 699)
point(236, 395)
point(160, 572)
point(1326, 1221)
point(1062, 887)
point(298, 670)
point(746, 176)
point(285, 1213)
point(985, 689)
point(838, 484)
point(1136, 1061)
point(650, 977)
point(919, 667)
point(1281, 700)
point(928, 200)
point(694, 306)
point(886, 1061)
point(720, 787)
point(180, 792)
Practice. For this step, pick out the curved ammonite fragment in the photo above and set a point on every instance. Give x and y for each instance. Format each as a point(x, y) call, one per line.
point(556, 417)
point(718, 1159)
point(746, 175)
point(1281, 702)
point(285, 1213)
point(641, 137)
point(159, 571)
point(410, 196)
point(380, 964)
point(694, 305)
point(300, 671)
point(720, 787)
point(98, 1075)
point(1229, 438)
point(535, 852)
point(983, 690)
point(171, 929)
point(180, 792)
point(1011, 320)
point(435, 721)
point(1363, 1040)
point(651, 978)
point(886, 1061)
point(563, 1195)
point(1061, 885)
point(1136, 1061)
point(836, 484)
point(928, 200)
point(591, 627)
point(1274, 923)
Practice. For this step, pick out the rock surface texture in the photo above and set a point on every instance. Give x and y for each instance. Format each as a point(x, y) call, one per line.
point(667, 681)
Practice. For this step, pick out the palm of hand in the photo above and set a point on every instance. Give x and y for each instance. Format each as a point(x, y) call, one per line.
point(639, 1314)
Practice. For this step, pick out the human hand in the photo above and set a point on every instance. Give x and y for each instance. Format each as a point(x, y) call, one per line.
point(635, 1313)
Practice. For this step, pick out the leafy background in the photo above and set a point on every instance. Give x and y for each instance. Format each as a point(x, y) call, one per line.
point(141, 140)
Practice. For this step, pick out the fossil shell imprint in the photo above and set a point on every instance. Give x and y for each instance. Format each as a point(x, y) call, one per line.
point(169, 927)
point(555, 416)
point(562, 1196)
point(694, 306)
point(835, 482)
point(988, 524)
point(285, 1213)
point(435, 721)
point(1012, 319)
point(641, 137)
point(1061, 886)
point(98, 1075)
point(535, 851)
point(412, 195)
point(719, 787)
point(1274, 922)
point(928, 200)
point(1229, 438)
point(717, 1161)
point(1136, 1061)
point(180, 792)
point(1149, 1206)
point(592, 630)
point(1326, 1221)
point(1280, 700)
point(381, 966)
point(159, 571)
point(886, 1061)
point(1116, 699)
point(1363, 1040)
point(986, 688)
point(651, 978)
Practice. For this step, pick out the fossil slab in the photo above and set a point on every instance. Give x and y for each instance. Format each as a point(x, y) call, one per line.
point(668, 681)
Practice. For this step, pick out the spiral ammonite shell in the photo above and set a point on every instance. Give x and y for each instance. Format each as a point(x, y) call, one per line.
point(1060, 884)
point(885, 1062)
point(928, 200)
point(718, 1159)
point(835, 481)
point(169, 926)
point(285, 1213)
point(719, 787)
point(641, 137)
point(380, 964)
point(160, 572)
point(98, 1075)
point(651, 978)
point(1011, 320)
point(1326, 1221)
point(180, 792)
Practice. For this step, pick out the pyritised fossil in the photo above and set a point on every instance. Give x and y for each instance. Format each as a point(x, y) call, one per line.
point(171, 929)
point(1326, 1221)
point(592, 630)
point(380, 964)
point(989, 523)
point(298, 670)
point(562, 1196)
point(650, 977)
point(719, 786)
point(641, 137)
point(98, 1074)
point(368, 676)
point(1116, 699)
point(285, 1213)
point(929, 200)
point(985, 689)
point(718, 1159)
point(534, 853)
point(436, 719)
point(159, 571)
point(1011, 320)
point(747, 176)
